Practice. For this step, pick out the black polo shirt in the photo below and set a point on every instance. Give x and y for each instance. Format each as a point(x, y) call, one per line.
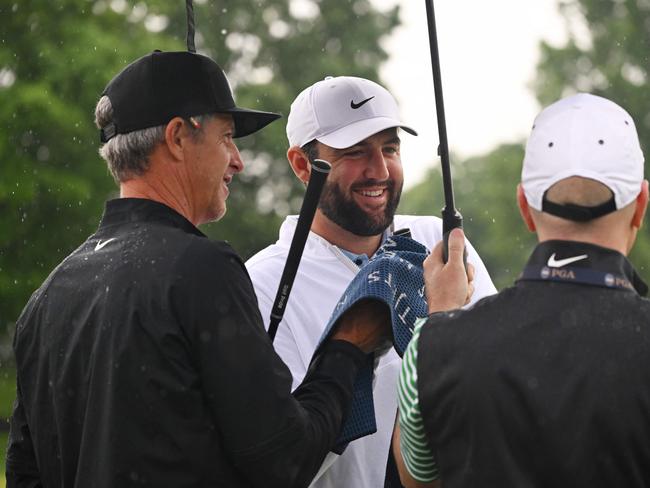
point(546, 383)
point(143, 361)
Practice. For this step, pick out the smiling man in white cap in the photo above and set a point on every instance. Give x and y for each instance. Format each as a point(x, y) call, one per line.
point(353, 123)
point(546, 383)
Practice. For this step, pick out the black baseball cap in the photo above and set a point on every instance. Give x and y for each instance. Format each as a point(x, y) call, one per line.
point(162, 85)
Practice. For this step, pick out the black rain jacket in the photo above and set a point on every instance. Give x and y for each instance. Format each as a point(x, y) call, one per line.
point(142, 361)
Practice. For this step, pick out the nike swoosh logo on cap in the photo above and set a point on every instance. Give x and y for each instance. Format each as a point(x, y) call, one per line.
point(101, 244)
point(558, 263)
point(357, 105)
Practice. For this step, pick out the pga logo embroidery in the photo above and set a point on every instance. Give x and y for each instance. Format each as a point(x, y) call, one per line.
point(557, 273)
point(617, 281)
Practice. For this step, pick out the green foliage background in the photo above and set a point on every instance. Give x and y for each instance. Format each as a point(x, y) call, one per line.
point(57, 55)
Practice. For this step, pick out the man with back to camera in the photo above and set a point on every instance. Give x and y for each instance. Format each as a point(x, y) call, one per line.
point(353, 124)
point(142, 360)
point(546, 383)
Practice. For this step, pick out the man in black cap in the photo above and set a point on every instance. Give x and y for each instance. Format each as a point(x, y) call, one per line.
point(142, 359)
point(547, 382)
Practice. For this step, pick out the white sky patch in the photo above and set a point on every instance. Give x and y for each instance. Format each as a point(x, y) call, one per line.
point(99, 7)
point(634, 74)
point(138, 12)
point(488, 56)
point(279, 29)
point(7, 78)
point(156, 23)
point(303, 9)
point(261, 75)
point(118, 6)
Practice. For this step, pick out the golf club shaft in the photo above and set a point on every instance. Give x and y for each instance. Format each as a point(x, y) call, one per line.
point(320, 170)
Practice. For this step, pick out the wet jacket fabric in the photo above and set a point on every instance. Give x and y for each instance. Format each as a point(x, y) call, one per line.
point(546, 383)
point(143, 361)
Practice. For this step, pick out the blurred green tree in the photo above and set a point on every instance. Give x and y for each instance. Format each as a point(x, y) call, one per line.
point(56, 56)
point(484, 190)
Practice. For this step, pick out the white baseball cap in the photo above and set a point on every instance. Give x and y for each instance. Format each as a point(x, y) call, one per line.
point(341, 112)
point(583, 135)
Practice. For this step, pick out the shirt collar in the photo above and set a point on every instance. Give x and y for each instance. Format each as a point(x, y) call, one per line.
point(125, 210)
point(583, 255)
point(362, 259)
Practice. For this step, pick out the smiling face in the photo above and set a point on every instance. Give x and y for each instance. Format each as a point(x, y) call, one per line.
point(214, 160)
point(365, 184)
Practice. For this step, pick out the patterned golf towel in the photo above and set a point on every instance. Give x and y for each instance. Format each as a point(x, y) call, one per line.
point(393, 276)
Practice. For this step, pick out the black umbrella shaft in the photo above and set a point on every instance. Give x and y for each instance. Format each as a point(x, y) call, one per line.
point(189, 7)
point(443, 148)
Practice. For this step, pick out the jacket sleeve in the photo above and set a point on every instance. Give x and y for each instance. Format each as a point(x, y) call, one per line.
point(285, 343)
point(274, 438)
point(21, 467)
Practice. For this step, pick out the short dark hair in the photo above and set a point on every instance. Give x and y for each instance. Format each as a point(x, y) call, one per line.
point(311, 150)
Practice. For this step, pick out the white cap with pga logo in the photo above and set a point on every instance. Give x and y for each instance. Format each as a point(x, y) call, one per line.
point(583, 135)
point(342, 111)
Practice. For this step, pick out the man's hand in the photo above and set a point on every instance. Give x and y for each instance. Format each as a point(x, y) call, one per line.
point(448, 286)
point(367, 325)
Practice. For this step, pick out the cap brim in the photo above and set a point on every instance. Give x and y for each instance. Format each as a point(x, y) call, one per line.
point(248, 121)
point(356, 132)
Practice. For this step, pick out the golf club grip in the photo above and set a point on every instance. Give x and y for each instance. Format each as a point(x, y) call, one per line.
point(320, 170)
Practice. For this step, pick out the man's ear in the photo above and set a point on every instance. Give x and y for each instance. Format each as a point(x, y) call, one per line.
point(176, 133)
point(524, 209)
point(641, 205)
point(299, 163)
